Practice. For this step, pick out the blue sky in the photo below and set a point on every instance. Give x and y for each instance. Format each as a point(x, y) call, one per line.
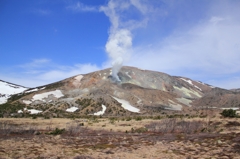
point(44, 41)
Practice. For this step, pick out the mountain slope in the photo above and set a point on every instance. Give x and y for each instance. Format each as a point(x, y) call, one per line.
point(7, 89)
point(139, 92)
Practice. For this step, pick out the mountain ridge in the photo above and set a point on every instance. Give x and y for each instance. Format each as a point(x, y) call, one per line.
point(146, 92)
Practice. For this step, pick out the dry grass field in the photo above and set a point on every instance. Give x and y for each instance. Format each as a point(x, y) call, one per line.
point(120, 138)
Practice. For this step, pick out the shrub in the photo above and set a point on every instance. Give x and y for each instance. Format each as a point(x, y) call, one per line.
point(229, 113)
point(57, 131)
point(138, 118)
point(128, 119)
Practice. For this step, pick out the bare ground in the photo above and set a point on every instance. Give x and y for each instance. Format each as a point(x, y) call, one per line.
point(115, 138)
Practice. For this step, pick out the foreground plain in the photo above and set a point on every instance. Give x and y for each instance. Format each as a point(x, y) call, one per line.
point(135, 137)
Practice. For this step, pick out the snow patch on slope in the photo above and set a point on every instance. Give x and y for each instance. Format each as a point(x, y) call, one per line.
point(27, 101)
point(4, 98)
point(102, 111)
point(72, 109)
point(56, 93)
point(190, 82)
point(34, 90)
point(126, 105)
point(7, 89)
point(42, 96)
point(32, 111)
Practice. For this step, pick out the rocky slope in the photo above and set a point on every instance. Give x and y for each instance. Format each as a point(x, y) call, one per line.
point(140, 92)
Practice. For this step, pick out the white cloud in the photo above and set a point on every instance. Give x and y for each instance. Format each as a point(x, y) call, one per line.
point(199, 44)
point(208, 50)
point(67, 71)
point(141, 7)
point(42, 12)
point(44, 71)
point(36, 63)
point(80, 7)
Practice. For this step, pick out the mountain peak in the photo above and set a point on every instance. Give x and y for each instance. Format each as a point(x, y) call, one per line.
point(137, 91)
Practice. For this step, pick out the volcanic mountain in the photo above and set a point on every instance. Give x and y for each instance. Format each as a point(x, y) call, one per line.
point(139, 92)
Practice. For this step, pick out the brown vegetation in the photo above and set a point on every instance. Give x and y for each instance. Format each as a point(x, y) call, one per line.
point(120, 138)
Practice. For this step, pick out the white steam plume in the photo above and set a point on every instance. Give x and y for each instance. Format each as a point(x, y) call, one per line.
point(118, 47)
point(119, 41)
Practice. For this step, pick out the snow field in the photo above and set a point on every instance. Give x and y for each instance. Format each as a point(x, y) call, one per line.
point(72, 109)
point(102, 111)
point(6, 88)
point(32, 111)
point(126, 105)
point(56, 93)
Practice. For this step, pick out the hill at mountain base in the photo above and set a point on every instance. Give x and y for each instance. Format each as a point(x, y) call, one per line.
point(139, 92)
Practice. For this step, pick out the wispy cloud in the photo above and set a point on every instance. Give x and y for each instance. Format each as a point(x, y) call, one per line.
point(80, 7)
point(208, 50)
point(44, 71)
point(199, 40)
point(42, 12)
point(36, 63)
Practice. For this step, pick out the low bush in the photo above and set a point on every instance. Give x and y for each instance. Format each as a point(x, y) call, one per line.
point(57, 131)
point(138, 118)
point(229, 113)
point(128, 119)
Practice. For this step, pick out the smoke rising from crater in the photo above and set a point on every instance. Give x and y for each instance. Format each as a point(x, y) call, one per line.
point(118, 47)
point(119, 42)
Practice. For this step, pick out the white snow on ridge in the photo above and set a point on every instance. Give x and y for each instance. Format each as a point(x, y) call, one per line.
point(200, 82)
point(126, 105)
point(4, 98)
point(205, 84)
point(6, 88)
point(33, 90)
point(102, 111)
point(72, 109)
point(190, 82)
point(56, 93)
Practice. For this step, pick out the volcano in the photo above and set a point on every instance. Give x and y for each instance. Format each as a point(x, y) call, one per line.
point(137, 92)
